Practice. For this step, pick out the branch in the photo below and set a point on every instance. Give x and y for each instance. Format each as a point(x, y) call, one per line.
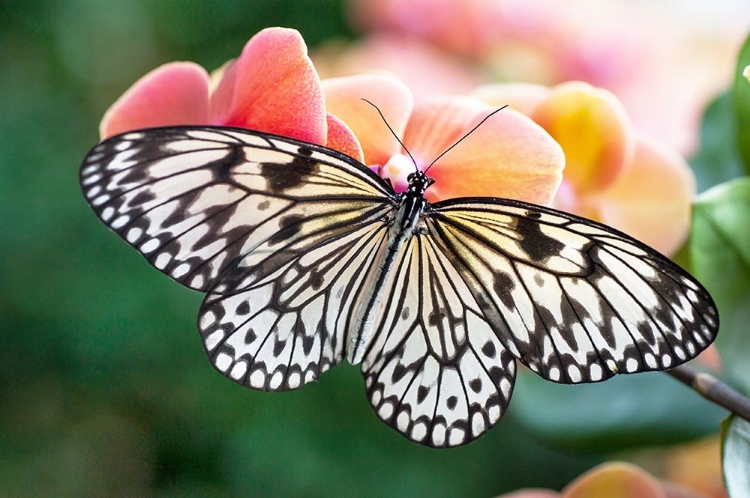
point(713, 390)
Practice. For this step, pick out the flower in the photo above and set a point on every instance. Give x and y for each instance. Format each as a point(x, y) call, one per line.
point(272, 87)
point(613, 479)
point(613, 174)
point(507, 156)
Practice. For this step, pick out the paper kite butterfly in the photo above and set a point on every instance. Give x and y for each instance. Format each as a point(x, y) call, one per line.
point(307, 256)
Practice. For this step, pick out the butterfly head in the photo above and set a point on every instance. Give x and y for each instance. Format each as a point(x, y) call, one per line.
point(419, 182)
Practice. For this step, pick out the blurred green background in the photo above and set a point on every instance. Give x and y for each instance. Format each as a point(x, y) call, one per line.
point(105, 387)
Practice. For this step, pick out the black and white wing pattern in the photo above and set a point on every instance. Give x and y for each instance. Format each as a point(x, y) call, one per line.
point(574, 300)
point(248, 218)
point(307, 256)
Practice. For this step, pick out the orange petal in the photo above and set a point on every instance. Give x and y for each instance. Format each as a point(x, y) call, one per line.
point(614, 480)
point(508, 156)
point(521, 97)
point(342, 139)
point(593, 129)
point(652, 201)
point(344, 100)
point(172, 94)
point(274, 88)
point(531, 493)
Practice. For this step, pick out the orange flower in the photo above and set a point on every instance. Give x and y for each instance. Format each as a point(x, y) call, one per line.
point(614, 480)
point(508, 156)
point(613, 174)
point(271, 87)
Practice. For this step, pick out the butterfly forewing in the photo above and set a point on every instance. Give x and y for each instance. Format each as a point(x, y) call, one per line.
point(193, 200)
point(576, 301)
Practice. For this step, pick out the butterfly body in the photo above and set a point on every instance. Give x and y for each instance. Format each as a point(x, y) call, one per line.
point(307, 257)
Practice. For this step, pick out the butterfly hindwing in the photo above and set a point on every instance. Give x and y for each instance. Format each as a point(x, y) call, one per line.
point(574, 300)
point(287, 320)
point(435, 370)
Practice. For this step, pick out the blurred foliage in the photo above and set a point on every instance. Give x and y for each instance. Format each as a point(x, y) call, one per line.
point(106, 389)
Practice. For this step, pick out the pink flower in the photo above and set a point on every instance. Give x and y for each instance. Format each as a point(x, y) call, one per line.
point(272, 87)
point(508, 156)
point(613, 174)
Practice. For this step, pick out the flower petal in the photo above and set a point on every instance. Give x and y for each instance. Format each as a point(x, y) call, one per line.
point(614, 480)
point(342, 139)
point(652, 200)
point(594, 130)
point(507, 156)
point(344, 100)
point(274, 88)
point(172, 94)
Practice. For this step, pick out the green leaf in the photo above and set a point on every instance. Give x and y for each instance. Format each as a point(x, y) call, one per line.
point(720, 259)
point(623, 412)
point(735, 456)
point(741, 101)
point(718, 159)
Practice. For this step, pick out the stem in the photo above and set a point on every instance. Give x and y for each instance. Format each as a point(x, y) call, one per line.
point(713, 390)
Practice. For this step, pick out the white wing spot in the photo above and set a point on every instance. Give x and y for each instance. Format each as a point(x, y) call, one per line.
point(595, 372)
point(402, 421)
point(666, 361)
point(213, 339)
point(207, 319)
point(182, 270)
point(162, 260)
point(257, 379)
point(294, 380)
point(386, 410)
point(456, 436)
point(679, 352)
point(276, 380)
point(631, 365)
point(650, 360)
point(239, 369)
point(612, 366)
point(554, 374)
point(574, 374)
point(223, 362)
point(93, 191)
point(150, 246)
point(419, 432)
point(100, 200)
point(133, 235)
point(107, 213)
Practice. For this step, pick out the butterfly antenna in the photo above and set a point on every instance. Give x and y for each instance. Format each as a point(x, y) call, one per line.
point(394, 133)
point(488, 116)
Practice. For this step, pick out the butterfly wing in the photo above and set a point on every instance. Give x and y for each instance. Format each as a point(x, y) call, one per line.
point(280, 233)
point(194, 200)
point(574, 300)
point(435, 370)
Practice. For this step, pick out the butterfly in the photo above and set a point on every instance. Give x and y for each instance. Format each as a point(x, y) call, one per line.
point(306, 256)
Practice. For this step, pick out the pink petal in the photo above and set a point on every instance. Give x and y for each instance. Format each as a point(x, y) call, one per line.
point(274, 88)
point(344, 100)
point(342, 139)
point(508, 156)
point(594, 130)
point(652, 201)
point(172, 94)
